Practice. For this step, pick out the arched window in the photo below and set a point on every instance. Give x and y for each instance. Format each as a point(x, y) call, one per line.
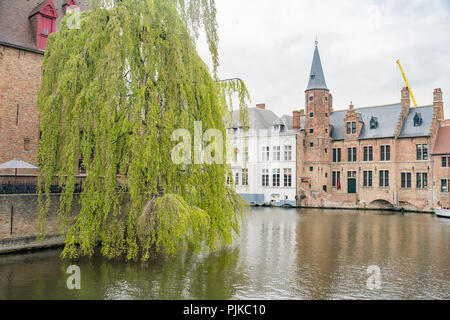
point(418, 120)
point(373, 123)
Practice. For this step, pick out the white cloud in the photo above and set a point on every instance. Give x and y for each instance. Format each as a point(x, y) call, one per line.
point(270, 45)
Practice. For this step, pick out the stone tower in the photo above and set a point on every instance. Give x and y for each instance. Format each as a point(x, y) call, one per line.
point(318, 108)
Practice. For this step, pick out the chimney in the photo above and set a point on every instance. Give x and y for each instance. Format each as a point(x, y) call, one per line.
point(261, 106)
point(406, 101)
point(296, 120)
point(438, 104)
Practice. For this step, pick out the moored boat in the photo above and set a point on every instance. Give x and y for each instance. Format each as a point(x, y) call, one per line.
point(442, 213)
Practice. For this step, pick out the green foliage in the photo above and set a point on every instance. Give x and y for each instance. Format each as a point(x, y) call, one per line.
point(112, 93)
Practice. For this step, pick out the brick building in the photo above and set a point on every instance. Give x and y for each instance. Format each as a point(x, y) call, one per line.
point(24, 28)
point(382, 157)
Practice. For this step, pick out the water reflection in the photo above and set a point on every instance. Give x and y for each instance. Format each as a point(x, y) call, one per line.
point(281, 254)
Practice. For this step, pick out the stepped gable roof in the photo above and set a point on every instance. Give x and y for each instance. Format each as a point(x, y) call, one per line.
point(387, 117)
point(426, 113)
point(442, 144)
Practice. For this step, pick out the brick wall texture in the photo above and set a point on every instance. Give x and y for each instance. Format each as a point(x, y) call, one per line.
point(20, 78)
point(25, 216)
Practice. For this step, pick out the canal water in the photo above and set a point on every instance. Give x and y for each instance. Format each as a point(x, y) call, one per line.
point(281, 254)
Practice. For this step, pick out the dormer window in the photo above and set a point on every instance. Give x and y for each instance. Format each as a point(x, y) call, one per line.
point(43, 21)
point(351, 127)
point(70, 5)
point(418, 121)
point(373, 123)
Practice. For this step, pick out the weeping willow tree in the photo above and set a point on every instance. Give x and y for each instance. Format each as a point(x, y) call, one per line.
point(113, 91)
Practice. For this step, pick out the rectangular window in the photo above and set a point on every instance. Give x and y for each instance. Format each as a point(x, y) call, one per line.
point(26, 144)
point(444, 185)
point(288, 153)
point(337, 155)
point(385, 153)
point(276, 173)
point(384, 178)
point(288, 177)
point(335, 177)
point(351, 127)
point(422, 152)
point(425, 152)
point(367, 179)
point(444, 162)
point(236, 178)
point(265, 177)
point(422, 180)
point(406, 180)
point(351, 154)
point(245, 177)
point(368, 153)
point(276, 153)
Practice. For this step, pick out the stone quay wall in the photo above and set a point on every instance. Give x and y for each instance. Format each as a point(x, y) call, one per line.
point(19, 222)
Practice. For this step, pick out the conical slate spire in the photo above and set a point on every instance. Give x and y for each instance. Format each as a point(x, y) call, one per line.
point(316, 78)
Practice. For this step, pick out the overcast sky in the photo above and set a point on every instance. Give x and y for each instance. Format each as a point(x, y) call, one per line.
point(270, 45)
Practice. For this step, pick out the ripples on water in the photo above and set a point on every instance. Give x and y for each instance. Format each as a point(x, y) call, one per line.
point(281, 254)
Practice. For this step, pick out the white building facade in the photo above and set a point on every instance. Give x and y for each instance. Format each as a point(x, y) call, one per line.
point(264, 158)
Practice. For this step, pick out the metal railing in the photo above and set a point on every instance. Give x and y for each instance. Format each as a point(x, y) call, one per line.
point(27, 184)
